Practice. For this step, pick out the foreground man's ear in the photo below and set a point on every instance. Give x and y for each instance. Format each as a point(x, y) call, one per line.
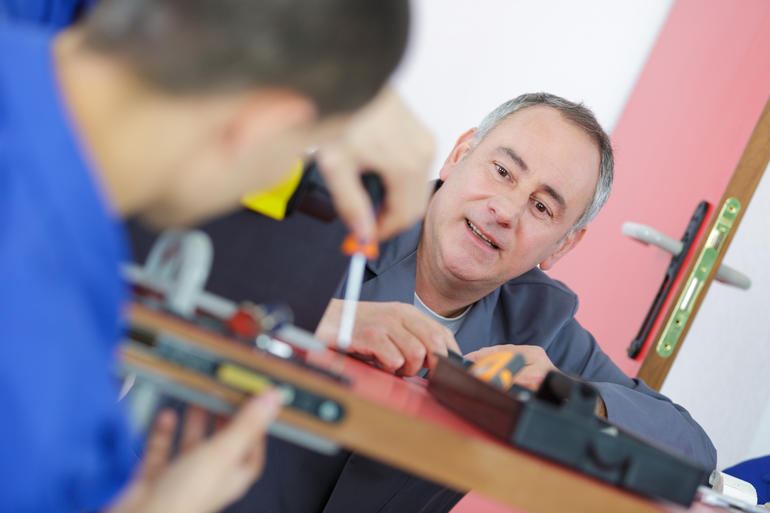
point(262, 114)
point(461, 148)
point(565, 247)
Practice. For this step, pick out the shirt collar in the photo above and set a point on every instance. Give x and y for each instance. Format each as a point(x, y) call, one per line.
point(395, 250)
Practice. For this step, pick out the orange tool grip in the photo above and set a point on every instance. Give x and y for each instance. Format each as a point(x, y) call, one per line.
point(352, 245)
point(498, 369)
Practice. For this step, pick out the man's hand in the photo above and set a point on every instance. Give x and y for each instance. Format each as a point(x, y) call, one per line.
point(534, 371)
point(397, 335)
point(208, 475)
point(383, 137)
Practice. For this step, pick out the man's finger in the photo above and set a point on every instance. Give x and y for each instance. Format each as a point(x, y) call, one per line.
point(193, 428)
point(343, 182)
point(328, 327)
point(436, 337)
point(413, 351)
point(404, 205)
point(157, 450)
point(247, 471)
point(382, 348)
point(220, 422)
point(484, 351)
point(530, 378)
point(248, 426)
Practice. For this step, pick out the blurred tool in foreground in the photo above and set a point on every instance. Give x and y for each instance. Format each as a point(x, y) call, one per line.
point(384, 138)
point(359, 253)
point(304, 190)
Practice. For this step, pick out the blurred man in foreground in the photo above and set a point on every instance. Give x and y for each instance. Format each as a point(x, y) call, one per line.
point(169, 111)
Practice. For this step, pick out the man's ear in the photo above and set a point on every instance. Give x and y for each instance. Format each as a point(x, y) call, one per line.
point(565, 247)
point(262, 114)
point(462, 147)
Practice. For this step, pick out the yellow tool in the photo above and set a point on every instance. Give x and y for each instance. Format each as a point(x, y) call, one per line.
point(274, 202)
point(499, 368)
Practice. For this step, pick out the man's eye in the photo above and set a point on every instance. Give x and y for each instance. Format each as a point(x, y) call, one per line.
point(542, 209)
point(502, 171)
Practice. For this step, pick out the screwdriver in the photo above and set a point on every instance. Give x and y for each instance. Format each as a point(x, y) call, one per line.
point(304, 190)
point(359, 252)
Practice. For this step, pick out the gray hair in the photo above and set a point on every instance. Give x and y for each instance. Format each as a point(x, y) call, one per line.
point(584, 118)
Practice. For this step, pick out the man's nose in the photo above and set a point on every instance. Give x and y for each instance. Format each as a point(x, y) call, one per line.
point(506, 210)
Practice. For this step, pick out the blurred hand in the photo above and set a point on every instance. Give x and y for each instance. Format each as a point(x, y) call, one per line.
point(208, 475)
point(383, 137)
point(396, 335)
point(534, 371)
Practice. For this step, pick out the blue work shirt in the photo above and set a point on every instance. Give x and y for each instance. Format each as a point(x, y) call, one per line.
point(64, 440)
point(55, 14)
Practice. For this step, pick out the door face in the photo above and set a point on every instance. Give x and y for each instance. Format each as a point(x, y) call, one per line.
point(721, 371)
point(677, 142)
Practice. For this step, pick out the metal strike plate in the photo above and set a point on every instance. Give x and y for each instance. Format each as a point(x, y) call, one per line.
point(672, 332)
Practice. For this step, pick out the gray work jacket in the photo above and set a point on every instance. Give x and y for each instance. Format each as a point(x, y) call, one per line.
point(531, 309)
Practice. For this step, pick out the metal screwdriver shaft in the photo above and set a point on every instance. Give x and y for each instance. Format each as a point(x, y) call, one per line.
point(352, 294)
point(359, 251)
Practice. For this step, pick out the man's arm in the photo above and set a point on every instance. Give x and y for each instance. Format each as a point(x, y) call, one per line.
point(625, 402)
point(535, 310)
point(630, 403)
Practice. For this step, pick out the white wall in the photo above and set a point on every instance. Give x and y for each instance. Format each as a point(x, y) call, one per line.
point(722, 373)
point(466, 57)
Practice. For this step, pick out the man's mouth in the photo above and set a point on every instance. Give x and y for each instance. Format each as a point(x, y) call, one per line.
point(480, 235)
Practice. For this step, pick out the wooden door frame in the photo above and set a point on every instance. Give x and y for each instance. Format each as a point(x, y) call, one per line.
point(742, 185)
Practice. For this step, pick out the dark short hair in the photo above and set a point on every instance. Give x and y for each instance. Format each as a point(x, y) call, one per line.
point(337, 52)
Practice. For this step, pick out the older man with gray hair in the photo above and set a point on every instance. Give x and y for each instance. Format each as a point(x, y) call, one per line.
point(514, 196)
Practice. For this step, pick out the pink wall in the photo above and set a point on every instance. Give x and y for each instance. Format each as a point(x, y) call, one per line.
point(677, 142)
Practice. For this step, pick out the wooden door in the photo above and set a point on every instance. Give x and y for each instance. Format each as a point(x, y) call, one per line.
point(678, 142)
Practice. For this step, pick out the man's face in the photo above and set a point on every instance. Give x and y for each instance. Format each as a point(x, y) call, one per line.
point(243, 154)
point(507, 204)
